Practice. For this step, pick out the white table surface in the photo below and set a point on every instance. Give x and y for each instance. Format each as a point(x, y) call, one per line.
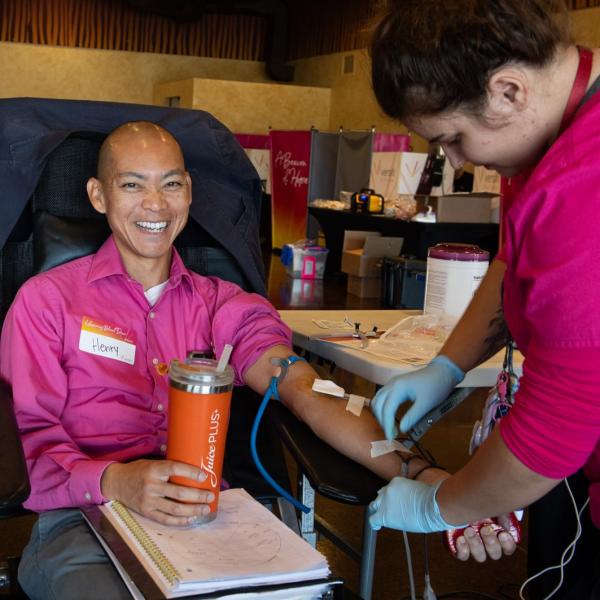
point(376, 369)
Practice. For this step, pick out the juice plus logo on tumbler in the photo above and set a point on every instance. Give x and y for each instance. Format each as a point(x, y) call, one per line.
point(213, 435)
point(199, 404)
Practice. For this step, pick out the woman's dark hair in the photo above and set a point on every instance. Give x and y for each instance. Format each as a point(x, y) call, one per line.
point(429, 56)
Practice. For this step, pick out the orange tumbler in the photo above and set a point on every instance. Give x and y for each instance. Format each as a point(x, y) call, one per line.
point(199, 404)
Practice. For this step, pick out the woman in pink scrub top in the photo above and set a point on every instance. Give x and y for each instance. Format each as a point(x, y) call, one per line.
point(499, 83)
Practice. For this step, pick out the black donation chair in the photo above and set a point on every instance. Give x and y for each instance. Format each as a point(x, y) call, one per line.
point(51, 150)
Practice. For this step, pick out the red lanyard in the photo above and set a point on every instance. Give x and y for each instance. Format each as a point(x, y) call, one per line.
point(579, 86)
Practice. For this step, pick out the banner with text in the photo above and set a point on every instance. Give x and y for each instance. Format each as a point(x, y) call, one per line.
point(290, 158)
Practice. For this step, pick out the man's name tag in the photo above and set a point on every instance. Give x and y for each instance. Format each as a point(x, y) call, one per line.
point(108, 340)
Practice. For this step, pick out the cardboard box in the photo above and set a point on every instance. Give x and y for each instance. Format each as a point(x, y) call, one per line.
point(364, 287)
point(485, 180)
point(464, 208)
point(354, 262)
point(363, 251)
point(411, 169)
point(354, 239)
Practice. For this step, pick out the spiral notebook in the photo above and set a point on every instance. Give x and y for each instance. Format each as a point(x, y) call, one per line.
point(245, 546)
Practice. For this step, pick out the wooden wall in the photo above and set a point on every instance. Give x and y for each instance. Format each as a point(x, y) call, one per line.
point(115, 25)
point(341, 26)
point(317, 27)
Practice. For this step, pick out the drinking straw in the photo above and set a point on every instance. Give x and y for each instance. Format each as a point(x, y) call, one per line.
point(224, 358)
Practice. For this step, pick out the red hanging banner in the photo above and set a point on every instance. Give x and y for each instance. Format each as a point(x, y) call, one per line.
point(290, 158)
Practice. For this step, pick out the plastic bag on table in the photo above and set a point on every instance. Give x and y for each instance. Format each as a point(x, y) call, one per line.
point(416, 339)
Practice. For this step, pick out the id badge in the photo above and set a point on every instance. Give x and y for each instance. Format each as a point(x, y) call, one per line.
point(107, 340)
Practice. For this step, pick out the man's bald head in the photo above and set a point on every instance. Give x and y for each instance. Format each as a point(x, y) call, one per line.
point(145, 192)
point(135, 133)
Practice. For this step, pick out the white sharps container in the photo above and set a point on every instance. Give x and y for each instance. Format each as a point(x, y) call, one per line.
point(454, 272)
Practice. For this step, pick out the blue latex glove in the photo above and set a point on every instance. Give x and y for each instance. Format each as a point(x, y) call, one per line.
point(408, 505)
point(425, 388)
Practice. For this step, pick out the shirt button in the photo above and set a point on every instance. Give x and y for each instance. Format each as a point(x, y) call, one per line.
point(155, 361)
point(152, 314)
point(159, 407)
point(163, 447)
point(88, 496)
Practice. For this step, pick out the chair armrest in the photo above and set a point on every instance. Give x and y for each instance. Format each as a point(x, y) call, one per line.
point(330, 473)
point(14, 480)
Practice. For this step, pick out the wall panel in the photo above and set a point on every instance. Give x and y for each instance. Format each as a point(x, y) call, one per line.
point(115, 25)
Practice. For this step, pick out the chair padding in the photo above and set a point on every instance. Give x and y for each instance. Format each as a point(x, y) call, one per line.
point(58, 240)
point(14, 482)
point(226, 192)
point(61, 188)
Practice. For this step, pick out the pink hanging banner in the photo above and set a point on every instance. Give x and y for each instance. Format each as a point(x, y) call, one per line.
point(391, 142)
point(290, 158)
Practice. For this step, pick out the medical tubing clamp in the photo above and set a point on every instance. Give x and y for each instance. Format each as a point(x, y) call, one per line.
point(283, 364)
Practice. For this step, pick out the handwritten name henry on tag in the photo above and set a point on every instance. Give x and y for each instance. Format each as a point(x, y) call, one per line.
point(107, 340)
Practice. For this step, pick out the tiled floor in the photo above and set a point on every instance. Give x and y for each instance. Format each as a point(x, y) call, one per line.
point(287, 293)
point(449, 442)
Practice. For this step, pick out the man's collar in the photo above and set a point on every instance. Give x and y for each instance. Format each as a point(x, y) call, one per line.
point(107, 262)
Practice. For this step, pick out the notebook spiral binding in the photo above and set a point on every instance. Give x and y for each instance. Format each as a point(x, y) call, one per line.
point(158, 558)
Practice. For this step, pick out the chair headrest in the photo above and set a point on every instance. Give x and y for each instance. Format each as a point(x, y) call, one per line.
point(60, 239)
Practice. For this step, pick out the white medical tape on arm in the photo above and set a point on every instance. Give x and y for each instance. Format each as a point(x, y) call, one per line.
point(325, 386)
point(381, 447)
point(356, 403)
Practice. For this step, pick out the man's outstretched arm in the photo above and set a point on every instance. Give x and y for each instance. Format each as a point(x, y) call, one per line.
point(352, 436)
point(326, 415)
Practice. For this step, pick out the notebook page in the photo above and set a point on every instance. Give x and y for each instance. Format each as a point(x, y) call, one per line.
point(245, 545)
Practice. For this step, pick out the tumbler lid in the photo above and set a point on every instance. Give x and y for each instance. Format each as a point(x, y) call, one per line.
point(462, 252)
point(200, 372)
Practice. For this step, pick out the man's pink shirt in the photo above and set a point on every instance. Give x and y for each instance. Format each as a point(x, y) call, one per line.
point(79, 411)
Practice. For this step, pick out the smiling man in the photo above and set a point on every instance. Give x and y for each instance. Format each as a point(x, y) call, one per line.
point(146, 204)
point(80, 348)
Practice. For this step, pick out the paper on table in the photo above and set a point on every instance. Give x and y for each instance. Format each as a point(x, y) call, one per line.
point(327, 324)
point(246, 545)
point(414, 340)
point(386, 350)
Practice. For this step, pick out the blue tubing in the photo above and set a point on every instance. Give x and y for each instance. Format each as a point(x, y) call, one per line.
point(270, 393)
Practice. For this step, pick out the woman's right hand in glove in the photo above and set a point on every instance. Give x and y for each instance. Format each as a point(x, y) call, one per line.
point(425, 388)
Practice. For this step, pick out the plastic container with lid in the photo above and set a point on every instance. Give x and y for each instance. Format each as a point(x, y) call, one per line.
point(454, 272)
point(304, 260)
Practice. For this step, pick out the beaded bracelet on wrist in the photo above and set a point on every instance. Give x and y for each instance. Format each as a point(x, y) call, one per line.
point(416, 475)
